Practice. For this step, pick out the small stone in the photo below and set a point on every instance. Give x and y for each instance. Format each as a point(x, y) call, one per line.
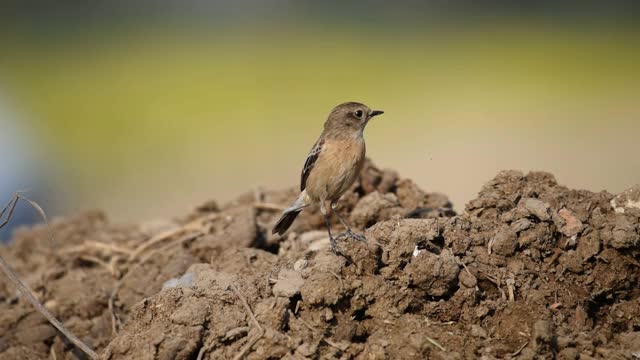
point(624, 234)
point(478, 331)
point(521, 225)
point(537, 208)
point(436, 275)
point(467, 279)
point(505, 241)
point(375, 207)
point(572, 261)
point(572, 225)
point(409, 194)
point(300, 265)
point(588, 246)
point(185, 280)
point(417, 251)
point(328, 314)
point(628, 199)
point(288, 284)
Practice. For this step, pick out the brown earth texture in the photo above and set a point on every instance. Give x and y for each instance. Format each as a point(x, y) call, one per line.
point(530, 270)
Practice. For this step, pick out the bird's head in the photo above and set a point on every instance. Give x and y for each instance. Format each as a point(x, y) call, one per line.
point(349, 118)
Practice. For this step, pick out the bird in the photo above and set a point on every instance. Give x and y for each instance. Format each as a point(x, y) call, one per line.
point(332, 166)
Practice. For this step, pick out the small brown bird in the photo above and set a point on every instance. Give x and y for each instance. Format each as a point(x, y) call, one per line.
point(332, 166)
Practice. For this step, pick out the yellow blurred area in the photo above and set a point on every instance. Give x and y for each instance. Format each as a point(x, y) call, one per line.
point(146, 124)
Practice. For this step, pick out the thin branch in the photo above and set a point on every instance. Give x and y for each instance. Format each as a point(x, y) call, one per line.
point(517, 352)
point(248, 347)
point(11, 206)
point(28, 293)
point(252, 342)
point(193, 225)
point(89, 244)
point(246, 306)
point(436, 344)
point(40, 211)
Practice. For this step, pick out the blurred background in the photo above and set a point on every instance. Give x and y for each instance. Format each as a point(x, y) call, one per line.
point(147, 108)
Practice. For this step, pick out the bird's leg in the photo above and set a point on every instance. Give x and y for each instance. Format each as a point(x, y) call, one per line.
point(349, 233)
point(332, 240)
point(327, 222)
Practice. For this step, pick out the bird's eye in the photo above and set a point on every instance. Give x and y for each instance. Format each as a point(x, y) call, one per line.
point(359, 114)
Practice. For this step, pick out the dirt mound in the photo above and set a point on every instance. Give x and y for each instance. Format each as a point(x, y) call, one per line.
point(530, 270)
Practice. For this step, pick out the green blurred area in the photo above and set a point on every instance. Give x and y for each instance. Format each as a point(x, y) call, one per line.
point(140, 121)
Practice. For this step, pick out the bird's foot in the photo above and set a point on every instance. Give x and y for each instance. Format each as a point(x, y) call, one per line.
point(334, 245)
point(338, 252)
point(352, 235)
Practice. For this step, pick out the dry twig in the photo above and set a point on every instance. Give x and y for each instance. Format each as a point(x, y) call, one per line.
point(89, 245)
point(247, 347)
point(246, 306)
point(436, 344)
point(517, 352)
point(24, 289)
point(491, 278)
point(196, 225)
point(250, 344)
point(511, 288)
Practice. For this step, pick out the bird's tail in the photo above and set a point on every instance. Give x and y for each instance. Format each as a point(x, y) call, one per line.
point(285, 221)
point(290, 214)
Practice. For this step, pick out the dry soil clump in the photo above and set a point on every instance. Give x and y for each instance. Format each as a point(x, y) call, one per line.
point(530, 270)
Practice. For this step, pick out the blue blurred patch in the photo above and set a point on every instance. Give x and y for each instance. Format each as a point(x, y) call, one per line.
point(24, 215)
point(19, 170)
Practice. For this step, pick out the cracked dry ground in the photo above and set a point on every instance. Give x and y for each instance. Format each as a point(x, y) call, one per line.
point(530, 270)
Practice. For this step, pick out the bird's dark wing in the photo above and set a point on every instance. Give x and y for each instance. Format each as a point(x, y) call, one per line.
point(308, 164)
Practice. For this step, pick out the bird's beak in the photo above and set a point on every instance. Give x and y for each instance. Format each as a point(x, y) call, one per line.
point(376, 113)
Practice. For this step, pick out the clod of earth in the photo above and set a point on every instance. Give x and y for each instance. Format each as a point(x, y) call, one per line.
point(530, 270)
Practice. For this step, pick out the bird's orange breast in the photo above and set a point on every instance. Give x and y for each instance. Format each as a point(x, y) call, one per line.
point(337, 167)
